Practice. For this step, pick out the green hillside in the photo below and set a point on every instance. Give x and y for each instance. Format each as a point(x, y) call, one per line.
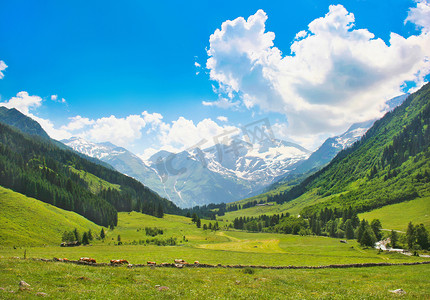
point(388, 165)
point(26, 221)
point(38, 168)
point(25, 124)
point(397, 216)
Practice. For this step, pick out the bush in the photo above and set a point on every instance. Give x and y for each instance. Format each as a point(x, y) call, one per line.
point(248, 271)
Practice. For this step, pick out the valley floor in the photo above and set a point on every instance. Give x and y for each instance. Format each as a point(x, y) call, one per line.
point(227, 247)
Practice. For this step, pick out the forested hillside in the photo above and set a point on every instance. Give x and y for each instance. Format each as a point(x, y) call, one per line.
point(390, 164)
point(37, 168)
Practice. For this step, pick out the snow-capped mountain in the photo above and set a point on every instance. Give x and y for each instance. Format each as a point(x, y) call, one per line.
point(332, 146)
point(222, 173)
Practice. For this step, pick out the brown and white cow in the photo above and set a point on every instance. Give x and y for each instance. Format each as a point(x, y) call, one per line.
point(118, 261)
point(87, 259)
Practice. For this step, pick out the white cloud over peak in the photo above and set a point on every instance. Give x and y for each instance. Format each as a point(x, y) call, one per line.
point(334, 76)
point(26, 104)
point(23, 102)
point(3, 66)
point(77, 123)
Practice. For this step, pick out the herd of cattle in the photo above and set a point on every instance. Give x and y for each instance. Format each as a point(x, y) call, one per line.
point(180, 263)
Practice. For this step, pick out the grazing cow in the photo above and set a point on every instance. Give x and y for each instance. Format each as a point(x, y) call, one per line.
point(118, 261)
point(87, 259)
point(180, 261)
point(153, 263)
point(196, 262)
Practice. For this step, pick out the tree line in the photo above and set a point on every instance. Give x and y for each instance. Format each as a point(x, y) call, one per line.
point(38, 168)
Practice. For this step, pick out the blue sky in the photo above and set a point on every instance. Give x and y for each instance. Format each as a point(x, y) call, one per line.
point(120, 59)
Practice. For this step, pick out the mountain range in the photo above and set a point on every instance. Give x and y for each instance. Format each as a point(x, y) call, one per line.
point(223, 173)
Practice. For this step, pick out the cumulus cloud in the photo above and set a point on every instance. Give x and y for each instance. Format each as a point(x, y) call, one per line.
point(119, 131)
point(54, 97)
point(3, 66)
point(222, 119)
point(26, 104)
point(420, 15)
point(23, 102)
point(77, 123)
point(222, 103)
point(334, 75)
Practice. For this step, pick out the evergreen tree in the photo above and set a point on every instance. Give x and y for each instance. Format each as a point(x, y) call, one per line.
point(422, 236)
point(361, 229)
point(349, 230)
point(160, 212)
point(394, 237)
point(90, 235)
point(76, 234)
point(410, 235)
point(194, 218)
point(198, 223)
point(205, 227)
point(376, 227)
point(102, 234)
point(368, 238)
point(85, 239)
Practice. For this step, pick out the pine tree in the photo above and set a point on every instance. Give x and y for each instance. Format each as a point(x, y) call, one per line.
point(376, 227)
point(394, 237)
point(410, 235)
point(85, 240)
point(160, 212)
point(198, 223)
point(349, 230)
point(368, 238)
point(76, 234)
point(102, 234)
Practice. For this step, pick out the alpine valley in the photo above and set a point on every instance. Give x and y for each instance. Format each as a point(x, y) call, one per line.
point(222, 173)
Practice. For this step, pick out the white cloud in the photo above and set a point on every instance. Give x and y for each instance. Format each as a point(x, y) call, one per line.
point(222, 103)
point(222, 119)
point(197, 64)
point(49, 127)
point(77, 123)
point(420, 15)
point(3, 66)
point(26, 103)
point(54, 97)
point(334, 76)
point(23, 102)
point(119, 131)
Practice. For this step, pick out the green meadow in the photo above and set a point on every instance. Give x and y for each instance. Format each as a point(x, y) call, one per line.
point(38, 228)
point(397, 216)
point(29, 222)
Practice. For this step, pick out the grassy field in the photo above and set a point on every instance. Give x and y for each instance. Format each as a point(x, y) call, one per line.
point(397, 216)
point(30, 222)
point(225, 247)
point(59, 280)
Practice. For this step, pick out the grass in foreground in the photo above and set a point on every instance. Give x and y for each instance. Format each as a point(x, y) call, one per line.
point(59, 280)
